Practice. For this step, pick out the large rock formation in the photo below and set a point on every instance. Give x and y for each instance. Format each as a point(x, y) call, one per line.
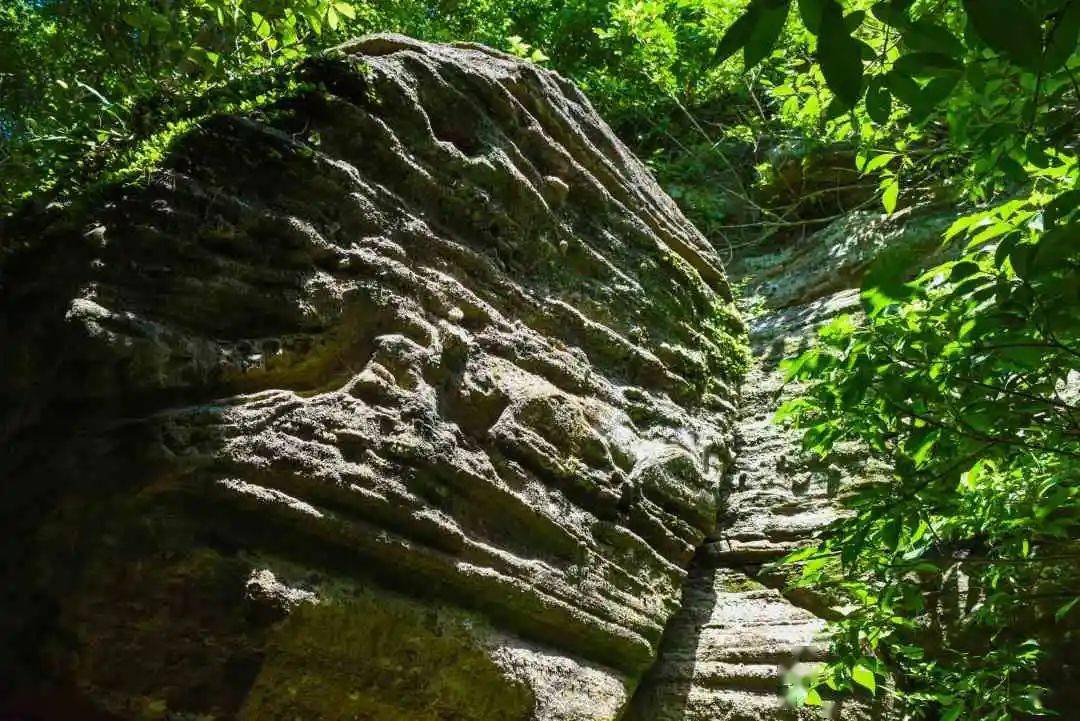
point(406, 397)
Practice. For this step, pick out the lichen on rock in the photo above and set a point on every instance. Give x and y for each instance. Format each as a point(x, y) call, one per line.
point(405, 397)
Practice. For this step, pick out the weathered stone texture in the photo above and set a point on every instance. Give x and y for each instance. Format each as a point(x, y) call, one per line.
point(406, 397)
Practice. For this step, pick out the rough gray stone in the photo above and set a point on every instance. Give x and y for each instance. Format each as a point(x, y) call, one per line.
point(406, 397)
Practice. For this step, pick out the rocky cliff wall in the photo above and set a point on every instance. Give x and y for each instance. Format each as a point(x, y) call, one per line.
point(406, 397)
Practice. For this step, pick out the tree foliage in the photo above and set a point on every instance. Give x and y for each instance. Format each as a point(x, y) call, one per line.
point(961, 379)
point(960, 567)
point(81, 81)
point(962, 564)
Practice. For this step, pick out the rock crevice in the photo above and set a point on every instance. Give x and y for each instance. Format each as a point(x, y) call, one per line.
point(742, 638)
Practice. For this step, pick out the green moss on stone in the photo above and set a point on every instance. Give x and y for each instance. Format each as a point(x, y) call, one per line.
point(378, 656)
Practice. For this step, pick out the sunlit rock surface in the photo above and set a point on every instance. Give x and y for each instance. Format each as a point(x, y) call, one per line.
point(406, 397)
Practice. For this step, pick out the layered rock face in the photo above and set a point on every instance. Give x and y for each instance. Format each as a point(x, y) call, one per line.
point(743, 639)
point(406, 397)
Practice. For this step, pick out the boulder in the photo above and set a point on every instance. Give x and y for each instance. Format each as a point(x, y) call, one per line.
point(405, 395)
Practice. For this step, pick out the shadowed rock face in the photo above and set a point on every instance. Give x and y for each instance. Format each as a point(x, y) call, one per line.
point(407, 397)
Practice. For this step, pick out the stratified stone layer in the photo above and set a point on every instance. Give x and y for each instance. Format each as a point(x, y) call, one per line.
point(406, 397)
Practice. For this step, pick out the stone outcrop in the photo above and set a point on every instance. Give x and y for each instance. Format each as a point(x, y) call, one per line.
point(407, 396)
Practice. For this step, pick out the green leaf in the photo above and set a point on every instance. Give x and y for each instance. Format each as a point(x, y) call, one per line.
point(1057, 249)
point(839, 55)
point(1064, 610)
point(878, 101)
point(879, 161)
point(799, 555)
point(904, 88)
point(835, 109)
point(802, 363)
point(892, 12)
point(135, 20)
point(990, 232)
point(890, 533)
point(921, 453)
point(811, 567)
point(810, 11)
point(346, 9)
point(1061, 42)
point(963, 223)
point(910, 651)
point(890, 193)
point(927, 64)
point(852, 21)
point(928, 36)
point(796, 695)
point(1008, 27)
point(952, 713)
point(260, 25)
point(738, 34)
point(938, 89)
point(1061, 206)
point(765, 32)
point(962, 270)
point(883, 285)
point(864, 677)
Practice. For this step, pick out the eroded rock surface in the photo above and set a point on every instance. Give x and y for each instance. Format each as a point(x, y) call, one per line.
point(406, 397)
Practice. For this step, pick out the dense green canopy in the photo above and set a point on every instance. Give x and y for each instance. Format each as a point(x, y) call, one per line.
point(962, 378)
